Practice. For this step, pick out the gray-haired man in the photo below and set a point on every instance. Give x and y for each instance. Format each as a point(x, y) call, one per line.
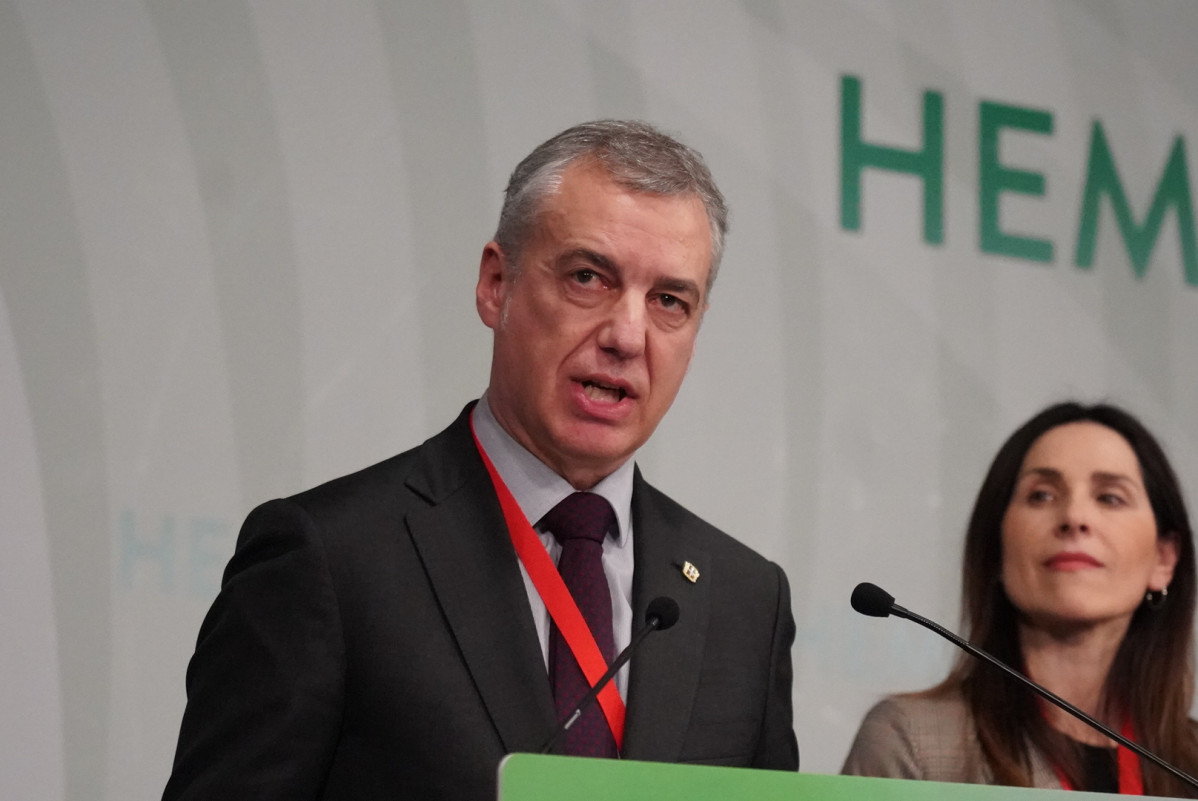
point(395, 632)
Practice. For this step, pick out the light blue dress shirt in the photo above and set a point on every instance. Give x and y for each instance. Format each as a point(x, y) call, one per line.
point(537, 489)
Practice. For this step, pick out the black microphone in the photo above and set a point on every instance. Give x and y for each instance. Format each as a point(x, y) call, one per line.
point(659, 616)
point(870, 599)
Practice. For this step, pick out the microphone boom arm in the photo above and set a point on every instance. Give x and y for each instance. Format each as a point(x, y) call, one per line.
point(661, 615)
point(1047, 695)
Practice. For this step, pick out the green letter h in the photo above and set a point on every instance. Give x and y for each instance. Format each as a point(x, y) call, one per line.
point(856, 155)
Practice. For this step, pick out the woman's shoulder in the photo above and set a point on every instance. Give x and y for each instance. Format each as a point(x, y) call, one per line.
point(928, 735)
point(935, 709)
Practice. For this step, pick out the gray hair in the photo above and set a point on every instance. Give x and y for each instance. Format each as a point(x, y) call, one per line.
point(636, 155)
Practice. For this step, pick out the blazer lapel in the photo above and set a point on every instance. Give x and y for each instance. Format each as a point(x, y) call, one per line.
point(664, 675)
point(463, 543)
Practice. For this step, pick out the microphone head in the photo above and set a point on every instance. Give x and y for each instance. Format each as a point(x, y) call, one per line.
point(870, 599)
point(665, 610)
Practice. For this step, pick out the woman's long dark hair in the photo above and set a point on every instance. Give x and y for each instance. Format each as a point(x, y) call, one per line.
point(1151, 678)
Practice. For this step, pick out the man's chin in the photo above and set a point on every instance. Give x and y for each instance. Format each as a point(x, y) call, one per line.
point(595, 456)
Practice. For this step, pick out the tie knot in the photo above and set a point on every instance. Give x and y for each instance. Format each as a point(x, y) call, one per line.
point(582, 515)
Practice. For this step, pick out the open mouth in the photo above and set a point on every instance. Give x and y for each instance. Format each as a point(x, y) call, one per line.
point(602, 392)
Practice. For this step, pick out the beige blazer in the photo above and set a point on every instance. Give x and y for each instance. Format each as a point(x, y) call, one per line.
point(917, 737)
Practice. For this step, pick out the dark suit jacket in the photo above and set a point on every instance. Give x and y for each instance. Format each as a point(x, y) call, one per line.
point(373, 639)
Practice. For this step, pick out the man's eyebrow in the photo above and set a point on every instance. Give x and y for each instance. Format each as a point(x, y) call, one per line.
point(679, 286)
point(674, 286)
point(587, 255)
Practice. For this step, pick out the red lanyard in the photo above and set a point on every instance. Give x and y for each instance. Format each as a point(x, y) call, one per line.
point(1131, 782)
point(557, 598)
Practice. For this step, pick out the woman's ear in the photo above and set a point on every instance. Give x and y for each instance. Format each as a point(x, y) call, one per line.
point(1167, 552)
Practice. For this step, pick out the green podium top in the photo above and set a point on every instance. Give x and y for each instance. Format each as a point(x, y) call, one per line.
point(533, 777)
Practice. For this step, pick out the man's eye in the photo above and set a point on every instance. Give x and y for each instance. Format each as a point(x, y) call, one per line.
point(585, 276)
point(672, 303)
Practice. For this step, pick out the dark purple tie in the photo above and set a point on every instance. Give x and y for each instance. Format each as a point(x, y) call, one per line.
point(580, 523)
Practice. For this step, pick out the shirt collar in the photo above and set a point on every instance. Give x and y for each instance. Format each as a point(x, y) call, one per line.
point(534, 485)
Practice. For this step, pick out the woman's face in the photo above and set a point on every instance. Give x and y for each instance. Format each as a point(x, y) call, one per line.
point(1079, 538)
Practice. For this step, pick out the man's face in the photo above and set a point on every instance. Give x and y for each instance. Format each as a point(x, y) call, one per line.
point(594, 333)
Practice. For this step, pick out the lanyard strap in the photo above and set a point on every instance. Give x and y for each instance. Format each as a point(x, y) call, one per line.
point(1131, 780)
point(562, 608)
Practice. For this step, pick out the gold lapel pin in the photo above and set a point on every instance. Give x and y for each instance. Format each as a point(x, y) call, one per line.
point(690, 571)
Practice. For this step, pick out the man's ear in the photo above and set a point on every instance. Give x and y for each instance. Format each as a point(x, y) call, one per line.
point(494, 279)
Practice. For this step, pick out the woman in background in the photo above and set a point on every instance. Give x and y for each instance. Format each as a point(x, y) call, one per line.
point(1078, 571)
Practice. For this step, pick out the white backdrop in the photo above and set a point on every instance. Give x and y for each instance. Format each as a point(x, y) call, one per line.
point(238, 241)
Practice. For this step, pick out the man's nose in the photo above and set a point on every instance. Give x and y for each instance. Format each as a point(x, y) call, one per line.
point(625, 329)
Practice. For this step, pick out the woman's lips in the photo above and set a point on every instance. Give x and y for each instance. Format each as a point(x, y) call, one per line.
point(1071, 560)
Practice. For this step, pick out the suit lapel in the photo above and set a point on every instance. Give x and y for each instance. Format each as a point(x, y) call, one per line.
point(464, 546)
point(664, 676)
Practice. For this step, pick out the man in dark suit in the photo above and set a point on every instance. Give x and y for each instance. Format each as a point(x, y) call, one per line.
point(382, 636)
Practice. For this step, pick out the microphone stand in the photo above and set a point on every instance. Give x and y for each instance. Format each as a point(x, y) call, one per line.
point(1044, 693)
point(661, 615)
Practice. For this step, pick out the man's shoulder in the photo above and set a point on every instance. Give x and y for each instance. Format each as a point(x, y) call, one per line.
point(651, 505)
point(424, 473)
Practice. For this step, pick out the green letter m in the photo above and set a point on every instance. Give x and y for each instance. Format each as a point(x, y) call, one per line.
point(856, 155)
point(1102, 178)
